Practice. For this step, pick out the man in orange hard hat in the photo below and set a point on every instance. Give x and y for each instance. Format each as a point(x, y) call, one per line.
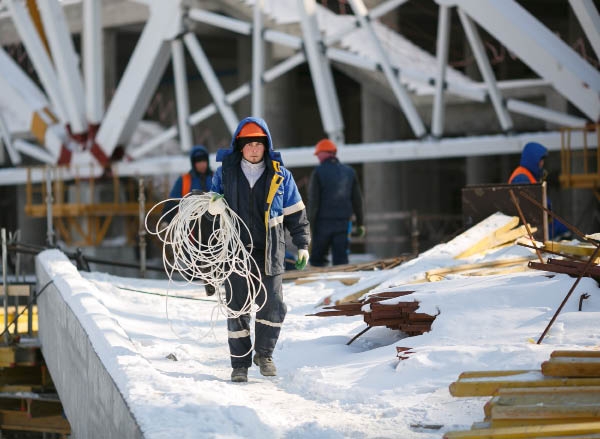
point(333, 195)
point(263, 193)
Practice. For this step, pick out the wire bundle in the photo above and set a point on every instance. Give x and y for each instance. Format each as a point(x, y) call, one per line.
point(207, 259)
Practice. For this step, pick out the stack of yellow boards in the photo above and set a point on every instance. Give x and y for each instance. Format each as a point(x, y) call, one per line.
point(560, 400)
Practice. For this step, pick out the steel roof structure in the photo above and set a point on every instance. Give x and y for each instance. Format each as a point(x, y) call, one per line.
point(72, 125)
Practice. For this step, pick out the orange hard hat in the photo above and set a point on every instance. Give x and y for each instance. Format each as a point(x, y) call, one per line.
point(251, 129)
point(325, 145)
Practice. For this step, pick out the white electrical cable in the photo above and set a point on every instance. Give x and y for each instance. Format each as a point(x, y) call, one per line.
point(208, 259)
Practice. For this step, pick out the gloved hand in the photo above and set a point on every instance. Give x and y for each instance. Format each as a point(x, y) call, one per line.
point(302, 259)
point(361, 231)
point(216, 205)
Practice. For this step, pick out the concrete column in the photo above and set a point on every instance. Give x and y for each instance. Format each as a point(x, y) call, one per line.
point(384, 184)
point(110, 64)
point(279, 103)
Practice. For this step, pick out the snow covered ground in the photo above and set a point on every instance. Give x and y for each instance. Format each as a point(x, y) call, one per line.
point(326, 389)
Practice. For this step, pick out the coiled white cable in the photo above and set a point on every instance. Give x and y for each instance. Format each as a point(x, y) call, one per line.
point(208, 259)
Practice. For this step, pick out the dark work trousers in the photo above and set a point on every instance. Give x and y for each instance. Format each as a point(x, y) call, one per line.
point(268, 320)
point(329, 233)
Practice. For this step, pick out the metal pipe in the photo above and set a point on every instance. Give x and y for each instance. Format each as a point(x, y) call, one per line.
point(486, 70)
point(181, 94)
point(406, 104)
point(5, 286)
point(589, 263)
point(211, 80)
point(535, 111)
point(142, 227)
point(93, 60)
point(443, 43)
point(218, 20)
point(49, 201)
point(258, 60)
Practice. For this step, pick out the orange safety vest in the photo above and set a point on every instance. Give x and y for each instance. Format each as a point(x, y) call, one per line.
point(186, 184)
point(522, 170)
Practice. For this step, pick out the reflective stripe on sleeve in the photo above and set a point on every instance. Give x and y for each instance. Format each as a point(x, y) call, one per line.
point(274, 221)
point(294, 208)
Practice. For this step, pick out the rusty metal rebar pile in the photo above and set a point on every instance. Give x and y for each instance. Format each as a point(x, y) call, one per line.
point(400, 315)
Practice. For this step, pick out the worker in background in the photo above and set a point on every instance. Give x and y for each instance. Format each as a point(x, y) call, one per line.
point(199, 178)
point(333, 195)
point(531, 171)
point(263, 193)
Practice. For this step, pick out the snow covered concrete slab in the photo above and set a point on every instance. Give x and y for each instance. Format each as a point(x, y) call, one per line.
point(325, 388)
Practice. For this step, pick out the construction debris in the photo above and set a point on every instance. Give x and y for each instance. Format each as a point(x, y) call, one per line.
point(396, 315)
point(506, 234)
point(312, 273)
point(574, 268)
point(479, 269)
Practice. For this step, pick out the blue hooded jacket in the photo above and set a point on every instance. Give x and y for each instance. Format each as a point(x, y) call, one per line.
point(532, 153)
point(201, 182)
point(284, 207)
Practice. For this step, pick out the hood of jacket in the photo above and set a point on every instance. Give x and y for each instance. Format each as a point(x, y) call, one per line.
point(531, 156)
point(274, 155)
point(201, 151)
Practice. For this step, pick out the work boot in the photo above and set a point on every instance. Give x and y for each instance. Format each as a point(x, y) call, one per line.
point(210, 290)
point(239, 375)
point(267, 367)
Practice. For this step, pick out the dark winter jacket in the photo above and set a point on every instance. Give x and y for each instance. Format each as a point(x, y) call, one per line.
point(334, 193)
point(201, 182)
point(283, 206)
point(530, 159)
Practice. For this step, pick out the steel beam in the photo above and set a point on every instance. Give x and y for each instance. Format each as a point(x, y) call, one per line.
point(407, 106)
point(539, 48)
point(320, 70)
point(375, 13)
point(221, 21)
point(34, 151)
point(210, 110)
point(66, 62)
point(588, 17)
point(38, 56)
point(537, 112)
point(15, 157)
point(181, 94)
point(140, 79)
point(258, 60)
point(212, 82)
point(443, 43)
point(93, 60)
point(486, 70)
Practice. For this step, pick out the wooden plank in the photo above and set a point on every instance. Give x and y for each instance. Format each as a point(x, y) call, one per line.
point(7, 356)
point(503, 423)
point(572, 367)
point(19, 290)
point(545, 406)
point(438, 273)
point(501, 236)
point(583, 249)
point(492, 373)
point(488, 386)
point(547, 390)
point(575, 354)
point(22, 375)
point(21, 420)
point(581, 429)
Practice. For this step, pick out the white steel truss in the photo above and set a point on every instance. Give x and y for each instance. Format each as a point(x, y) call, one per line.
point(64, 115)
